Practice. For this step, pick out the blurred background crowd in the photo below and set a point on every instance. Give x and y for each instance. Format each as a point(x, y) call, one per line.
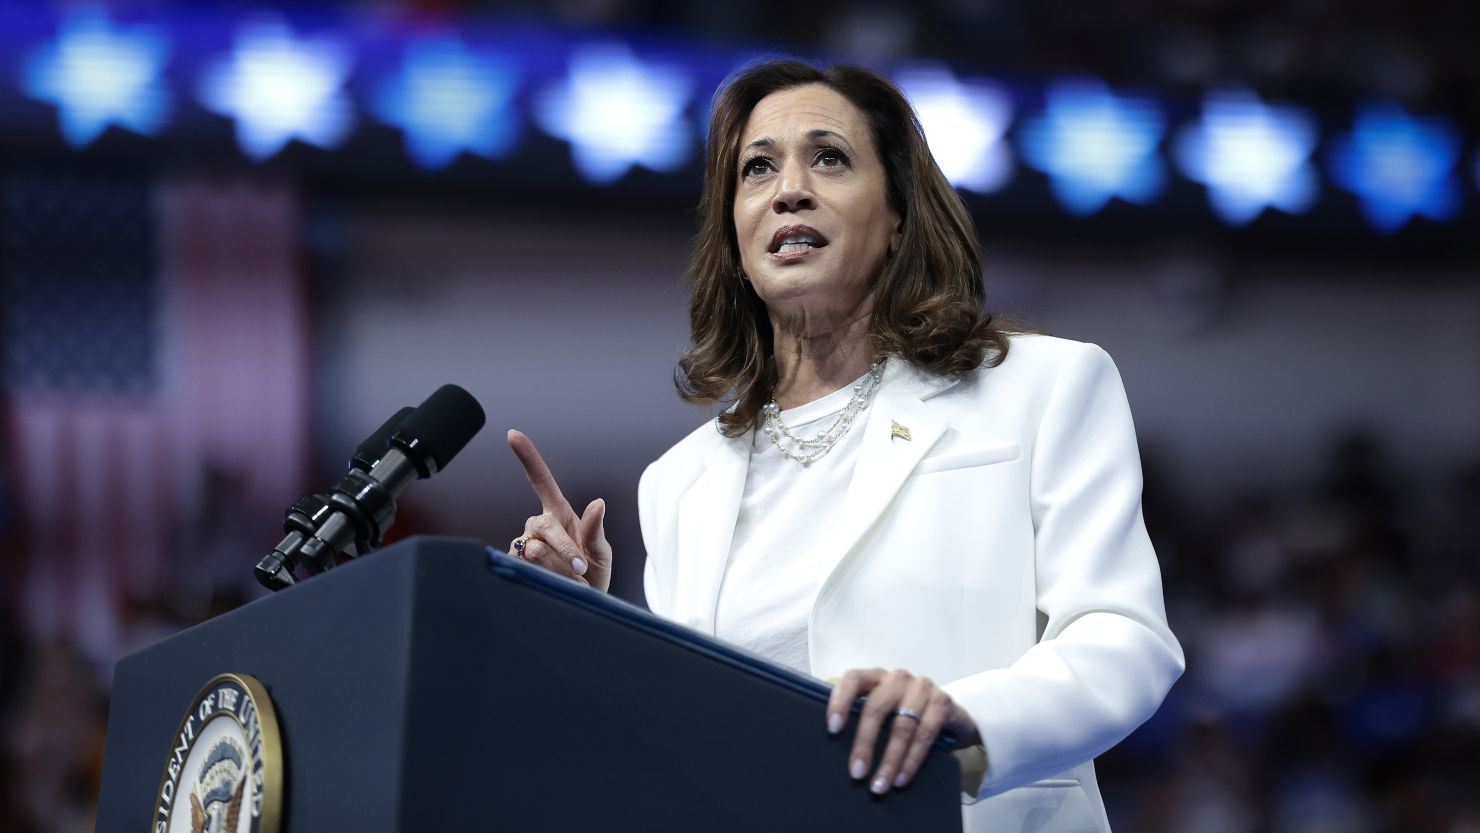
point(212, 288)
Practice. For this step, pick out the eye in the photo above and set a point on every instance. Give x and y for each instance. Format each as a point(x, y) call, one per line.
point(831, 158)
point(755, 166)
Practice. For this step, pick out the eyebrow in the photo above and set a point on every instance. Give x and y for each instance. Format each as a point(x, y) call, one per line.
point(814, 135)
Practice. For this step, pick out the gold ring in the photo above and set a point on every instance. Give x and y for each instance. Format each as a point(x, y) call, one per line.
point(519, 545)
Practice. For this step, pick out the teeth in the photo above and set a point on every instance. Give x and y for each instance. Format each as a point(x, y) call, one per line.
point(797, 243)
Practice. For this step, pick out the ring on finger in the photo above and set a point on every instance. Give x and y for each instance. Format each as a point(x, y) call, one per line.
point(905, 711)
point(519, 544)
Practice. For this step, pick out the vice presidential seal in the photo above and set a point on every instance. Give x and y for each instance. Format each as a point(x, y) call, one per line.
point(224, 773)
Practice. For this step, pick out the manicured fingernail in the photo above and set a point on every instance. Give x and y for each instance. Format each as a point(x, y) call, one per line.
point(835, 723)
point(579, 565)
point(859, 768)
point(879, 786)
point(900, 779)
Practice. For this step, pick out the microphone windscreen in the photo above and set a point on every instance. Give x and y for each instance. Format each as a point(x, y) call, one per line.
point(442, 425)
point(374, 446)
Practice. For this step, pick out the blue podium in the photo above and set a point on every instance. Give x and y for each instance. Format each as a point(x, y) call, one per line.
point(442, 685)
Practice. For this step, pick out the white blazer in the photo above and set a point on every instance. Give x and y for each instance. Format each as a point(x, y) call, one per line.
point(999, 550)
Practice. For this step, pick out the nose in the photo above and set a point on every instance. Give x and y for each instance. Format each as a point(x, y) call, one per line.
point(794, 192)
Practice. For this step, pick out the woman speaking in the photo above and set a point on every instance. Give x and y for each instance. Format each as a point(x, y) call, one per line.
point(939, 513)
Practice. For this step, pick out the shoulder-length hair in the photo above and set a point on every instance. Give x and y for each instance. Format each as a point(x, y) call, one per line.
point(927, 299)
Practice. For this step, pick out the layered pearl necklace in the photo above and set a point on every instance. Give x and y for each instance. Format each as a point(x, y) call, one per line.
point(806, 449)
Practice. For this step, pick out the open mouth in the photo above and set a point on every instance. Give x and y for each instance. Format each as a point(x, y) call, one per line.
point(795, 239)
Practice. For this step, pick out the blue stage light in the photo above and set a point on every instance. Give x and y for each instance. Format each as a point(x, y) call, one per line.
point(99, 75)
point(1398, 166)
point(965, 125)
point(1096, 145)
point(278, 88)
point(616, 112)
point(448, 100)
point(1250, 156)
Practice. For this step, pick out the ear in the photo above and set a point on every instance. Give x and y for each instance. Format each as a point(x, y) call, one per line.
point(896, 238)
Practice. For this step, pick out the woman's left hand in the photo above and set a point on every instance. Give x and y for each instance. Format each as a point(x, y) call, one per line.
point(910, 737)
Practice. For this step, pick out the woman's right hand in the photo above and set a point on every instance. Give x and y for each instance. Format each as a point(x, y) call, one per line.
point(557, 539)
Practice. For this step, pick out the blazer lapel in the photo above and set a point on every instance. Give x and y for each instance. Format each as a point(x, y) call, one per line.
point(899, 431)
point(707, 513)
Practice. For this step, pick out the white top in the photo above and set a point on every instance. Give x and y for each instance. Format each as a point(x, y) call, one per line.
point(787, 508)
point(1001, 549)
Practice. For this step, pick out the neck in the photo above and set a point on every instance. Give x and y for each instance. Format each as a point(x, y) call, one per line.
point(815, 358)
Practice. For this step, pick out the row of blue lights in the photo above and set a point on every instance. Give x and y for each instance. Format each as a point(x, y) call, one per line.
point(616, 111)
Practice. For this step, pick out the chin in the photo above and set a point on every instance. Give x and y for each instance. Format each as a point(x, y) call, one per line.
point(797, 285)
point(789, 283)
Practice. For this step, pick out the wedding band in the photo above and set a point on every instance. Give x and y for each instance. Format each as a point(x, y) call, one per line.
point(519, 545)
point(906, 712)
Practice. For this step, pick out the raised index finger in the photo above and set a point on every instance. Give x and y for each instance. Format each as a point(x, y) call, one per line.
point(540, 478)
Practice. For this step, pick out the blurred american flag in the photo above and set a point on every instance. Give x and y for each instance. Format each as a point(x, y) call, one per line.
point(156, 390)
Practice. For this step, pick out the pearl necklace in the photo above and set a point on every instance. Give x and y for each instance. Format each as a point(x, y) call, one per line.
point(807, 449)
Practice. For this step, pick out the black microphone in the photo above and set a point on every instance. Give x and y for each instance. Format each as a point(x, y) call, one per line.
point(310, 512)
point(352, 519)
point(435, 432)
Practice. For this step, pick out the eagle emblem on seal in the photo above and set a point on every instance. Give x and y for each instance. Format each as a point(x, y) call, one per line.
point(216, 801)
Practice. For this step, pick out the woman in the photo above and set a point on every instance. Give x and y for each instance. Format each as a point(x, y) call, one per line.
point(897, 483)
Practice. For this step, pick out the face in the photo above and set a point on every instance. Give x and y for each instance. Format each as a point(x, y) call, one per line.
point(812, 214)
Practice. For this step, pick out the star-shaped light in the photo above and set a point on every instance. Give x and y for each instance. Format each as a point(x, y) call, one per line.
point(1250, 156)
point(448, 100)
point(279, 88)
point(99, 75)
point(1095, 145)
point(1398, 166)
point(616, 112)
point(964, 124)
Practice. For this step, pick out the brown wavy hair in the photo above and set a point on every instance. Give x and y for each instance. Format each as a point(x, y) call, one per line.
point(927, 299)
